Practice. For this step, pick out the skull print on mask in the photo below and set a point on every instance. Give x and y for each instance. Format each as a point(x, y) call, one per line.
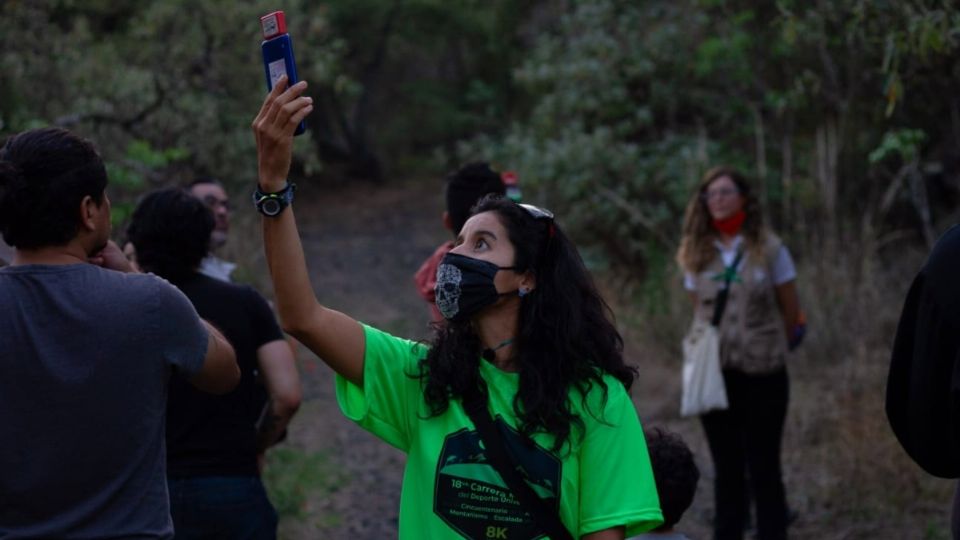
point(465, 286)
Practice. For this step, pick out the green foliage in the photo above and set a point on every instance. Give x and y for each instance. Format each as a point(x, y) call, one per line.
point(632, 101)
point(610, 109)
point(179, 74)
point(166, 89)
point(131, 174)
point(904, 143)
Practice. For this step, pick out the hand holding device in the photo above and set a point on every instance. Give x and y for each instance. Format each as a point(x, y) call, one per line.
point(282, 111)
point(277, 49)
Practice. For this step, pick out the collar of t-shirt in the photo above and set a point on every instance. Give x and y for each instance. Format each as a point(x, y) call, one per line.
point(729, 252)
point(217, 268)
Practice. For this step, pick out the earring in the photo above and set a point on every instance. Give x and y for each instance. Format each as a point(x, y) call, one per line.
point(523, 291)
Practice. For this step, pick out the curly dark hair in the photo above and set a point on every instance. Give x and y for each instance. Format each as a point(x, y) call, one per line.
point(44, 176)
point(170, 230)
point(675, 473)
point(565, 340)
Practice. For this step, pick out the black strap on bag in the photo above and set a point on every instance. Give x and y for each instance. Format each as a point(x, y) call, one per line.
point(547, 520)
point(721, 302)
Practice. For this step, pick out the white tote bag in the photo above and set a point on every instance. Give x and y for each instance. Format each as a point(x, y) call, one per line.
point(703, 387)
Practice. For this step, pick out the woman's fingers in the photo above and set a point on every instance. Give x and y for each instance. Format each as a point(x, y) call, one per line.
point(298, 117)
point(279, 108)
point(274, 93)
point(277, 104)
point(273, 128)
point(291, 113)
point(284, 122)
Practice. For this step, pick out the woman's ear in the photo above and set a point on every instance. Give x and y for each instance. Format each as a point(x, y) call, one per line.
point(528, 282)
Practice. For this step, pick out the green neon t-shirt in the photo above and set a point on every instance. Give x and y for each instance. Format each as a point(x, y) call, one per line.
point(449, 488)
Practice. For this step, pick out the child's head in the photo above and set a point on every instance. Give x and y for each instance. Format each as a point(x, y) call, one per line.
point(675, 473)
point(465, 187)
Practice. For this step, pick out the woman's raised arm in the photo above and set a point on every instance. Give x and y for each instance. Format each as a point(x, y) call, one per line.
point(336, 338)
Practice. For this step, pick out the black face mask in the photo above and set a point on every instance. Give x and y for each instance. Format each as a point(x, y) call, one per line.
point(465, 286)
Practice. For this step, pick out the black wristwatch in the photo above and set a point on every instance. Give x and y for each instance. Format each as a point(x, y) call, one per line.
point(271, 204)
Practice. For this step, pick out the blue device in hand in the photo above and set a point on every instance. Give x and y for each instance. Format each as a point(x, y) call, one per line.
point(277, 51)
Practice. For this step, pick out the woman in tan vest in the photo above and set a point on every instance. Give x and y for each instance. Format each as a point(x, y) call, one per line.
point(723, 232)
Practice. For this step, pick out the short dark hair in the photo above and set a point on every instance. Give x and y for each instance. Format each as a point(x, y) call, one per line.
point(44, 175)
point(466, 186)
point(674, 471)
point(170, 230)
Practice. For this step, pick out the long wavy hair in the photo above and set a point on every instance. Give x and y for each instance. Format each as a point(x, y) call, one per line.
point(696, 246)
point(565, 337)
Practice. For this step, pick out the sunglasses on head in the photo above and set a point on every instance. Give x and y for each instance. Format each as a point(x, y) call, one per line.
point(541, 214)
point(536, 212)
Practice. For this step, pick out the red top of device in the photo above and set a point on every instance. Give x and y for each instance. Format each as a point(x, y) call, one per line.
point(273, 24)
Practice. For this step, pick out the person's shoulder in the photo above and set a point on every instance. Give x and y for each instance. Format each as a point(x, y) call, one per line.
point(380, 342)
point(133, 283)
point(611, 395)
point(946, 251)
point(247, 293)
point(221, 286)
point(772, 245)
point(771, 240)
point(210, 287)
point(145, 292)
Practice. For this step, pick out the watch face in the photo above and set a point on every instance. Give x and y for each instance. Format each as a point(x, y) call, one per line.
point(271, 207)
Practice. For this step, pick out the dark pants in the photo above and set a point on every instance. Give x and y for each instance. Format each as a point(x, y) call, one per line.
point(746, 439)
point(221, 507)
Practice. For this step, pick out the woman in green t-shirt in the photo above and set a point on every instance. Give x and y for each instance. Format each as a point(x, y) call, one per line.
point(526, 330)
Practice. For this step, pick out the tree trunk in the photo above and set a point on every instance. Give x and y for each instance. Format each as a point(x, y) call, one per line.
point(827, 154)
point(918, 194)
point(786, 175)
point(760, 148)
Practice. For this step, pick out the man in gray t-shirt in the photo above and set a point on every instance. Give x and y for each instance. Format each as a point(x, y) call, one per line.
point(86, 353)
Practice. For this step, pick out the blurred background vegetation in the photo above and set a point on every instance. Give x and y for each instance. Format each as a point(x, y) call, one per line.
point(846, 113)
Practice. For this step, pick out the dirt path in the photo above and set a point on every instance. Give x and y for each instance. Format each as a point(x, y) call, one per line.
point(363, 245)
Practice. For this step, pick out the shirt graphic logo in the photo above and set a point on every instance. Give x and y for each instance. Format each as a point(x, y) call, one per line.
point(470, 496)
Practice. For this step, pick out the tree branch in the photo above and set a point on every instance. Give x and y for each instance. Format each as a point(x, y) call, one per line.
point(127, 124)
point(635, 214)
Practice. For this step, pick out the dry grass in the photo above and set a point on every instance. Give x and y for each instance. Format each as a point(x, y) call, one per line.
point(845, 473)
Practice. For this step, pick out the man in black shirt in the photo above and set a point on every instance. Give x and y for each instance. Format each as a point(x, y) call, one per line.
point(214, 443)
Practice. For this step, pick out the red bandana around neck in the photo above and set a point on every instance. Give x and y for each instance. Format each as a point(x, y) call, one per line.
point(731, 225)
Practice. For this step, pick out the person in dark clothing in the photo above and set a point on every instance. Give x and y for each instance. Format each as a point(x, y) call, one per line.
point(87, 346)
point(215, 444)
point(923, 386)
